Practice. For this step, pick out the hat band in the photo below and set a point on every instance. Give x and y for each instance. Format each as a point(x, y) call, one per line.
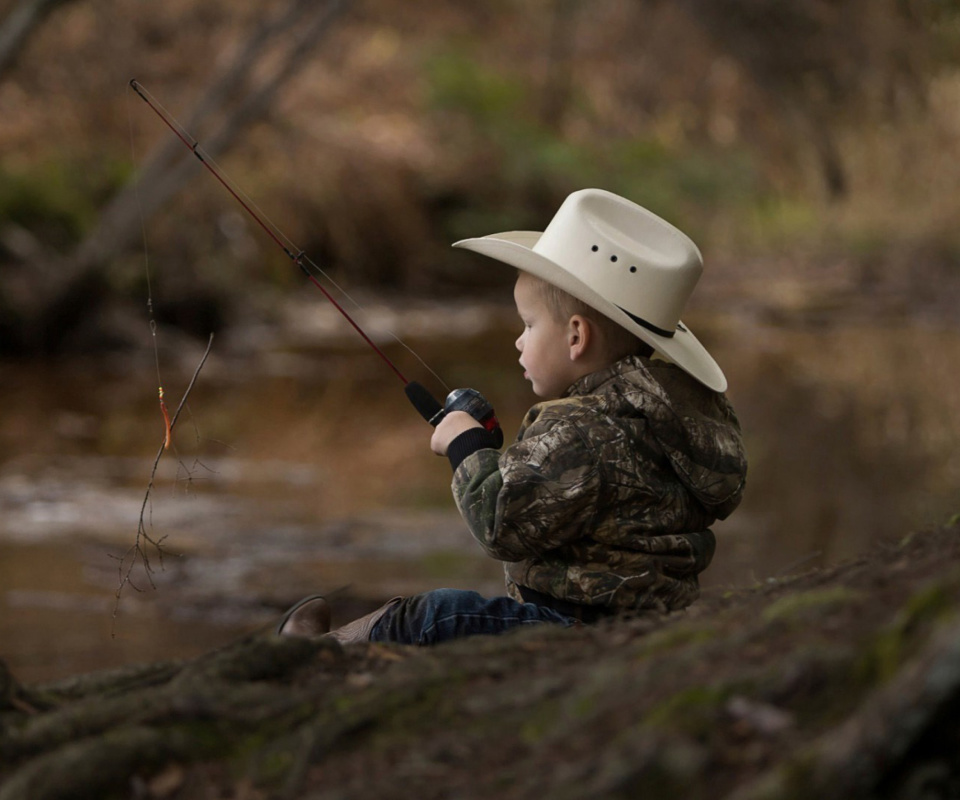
point(648, 325)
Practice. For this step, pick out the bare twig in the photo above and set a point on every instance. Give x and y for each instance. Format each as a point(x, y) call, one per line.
point(139, 550)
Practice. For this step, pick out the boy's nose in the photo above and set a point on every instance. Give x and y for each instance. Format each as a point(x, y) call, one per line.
point(519, 343)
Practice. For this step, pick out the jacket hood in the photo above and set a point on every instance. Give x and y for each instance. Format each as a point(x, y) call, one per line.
point(695, 427)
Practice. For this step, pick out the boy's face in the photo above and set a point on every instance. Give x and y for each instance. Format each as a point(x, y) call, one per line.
point(543, 345)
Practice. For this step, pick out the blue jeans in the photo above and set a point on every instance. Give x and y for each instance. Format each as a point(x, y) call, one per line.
point(444, 614)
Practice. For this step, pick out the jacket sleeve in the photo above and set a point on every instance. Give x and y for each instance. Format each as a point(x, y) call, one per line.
point(541, 493)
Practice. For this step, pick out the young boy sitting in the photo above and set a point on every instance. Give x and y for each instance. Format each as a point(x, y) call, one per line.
point(603, 503)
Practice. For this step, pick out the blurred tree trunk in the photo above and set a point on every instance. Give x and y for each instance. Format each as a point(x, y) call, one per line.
point(23, 19)
point(80, 284)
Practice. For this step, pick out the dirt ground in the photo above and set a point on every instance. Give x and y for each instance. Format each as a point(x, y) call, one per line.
point(841, 682)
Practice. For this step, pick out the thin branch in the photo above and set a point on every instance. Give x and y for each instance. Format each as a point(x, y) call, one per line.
point(138, 551)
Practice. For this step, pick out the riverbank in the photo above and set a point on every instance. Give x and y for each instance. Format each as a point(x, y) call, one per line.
point(834, 683)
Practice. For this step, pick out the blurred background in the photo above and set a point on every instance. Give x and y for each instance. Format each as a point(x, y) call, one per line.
point(809, 148)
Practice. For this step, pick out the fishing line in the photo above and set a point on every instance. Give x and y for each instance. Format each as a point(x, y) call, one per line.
point(294, 253)
point(168, 427)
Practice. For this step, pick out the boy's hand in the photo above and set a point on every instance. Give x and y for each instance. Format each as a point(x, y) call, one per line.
point(449, 428)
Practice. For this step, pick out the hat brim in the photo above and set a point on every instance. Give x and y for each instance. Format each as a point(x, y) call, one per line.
point(683, 348)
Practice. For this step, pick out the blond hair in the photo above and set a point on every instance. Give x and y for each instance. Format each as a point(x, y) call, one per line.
point(617, 341)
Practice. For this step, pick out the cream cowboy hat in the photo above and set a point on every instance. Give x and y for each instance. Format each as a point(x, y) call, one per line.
point(621, 260)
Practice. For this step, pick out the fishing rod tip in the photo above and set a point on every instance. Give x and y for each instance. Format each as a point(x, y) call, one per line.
point(134, 83)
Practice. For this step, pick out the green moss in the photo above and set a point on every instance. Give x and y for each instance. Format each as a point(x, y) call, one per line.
point(892, 646)
point(793, 780)
point(541, 721)
point(343, 704)
point(928, 604)
point(399, 711)
point(204, 738)
point(672, 637)
point(799, 607)
point(693, 710)
point(271, 764)
point(818, 683)
point(584, 706)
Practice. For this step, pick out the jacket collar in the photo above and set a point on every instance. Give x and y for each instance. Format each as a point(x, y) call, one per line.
point(589, 384)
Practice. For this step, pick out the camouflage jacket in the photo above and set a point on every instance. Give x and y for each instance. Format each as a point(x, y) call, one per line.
point(606, 496)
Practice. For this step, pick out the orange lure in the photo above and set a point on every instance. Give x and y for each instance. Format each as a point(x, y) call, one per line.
point(166, 421)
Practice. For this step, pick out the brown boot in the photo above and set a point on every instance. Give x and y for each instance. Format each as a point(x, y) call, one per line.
point(308, 617)
point(359, 630)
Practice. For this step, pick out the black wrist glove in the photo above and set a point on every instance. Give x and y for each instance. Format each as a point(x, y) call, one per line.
point(469, 442)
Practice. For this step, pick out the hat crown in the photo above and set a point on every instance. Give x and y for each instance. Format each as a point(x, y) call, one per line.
point(625, 253)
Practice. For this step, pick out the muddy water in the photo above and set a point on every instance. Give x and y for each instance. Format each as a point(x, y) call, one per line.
point(298, 470)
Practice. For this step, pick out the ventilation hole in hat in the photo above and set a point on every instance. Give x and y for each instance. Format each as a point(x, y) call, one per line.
point(613, 258)
point(595, 248)
point(633, 269)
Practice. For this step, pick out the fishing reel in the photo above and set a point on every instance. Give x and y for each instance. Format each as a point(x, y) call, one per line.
point(468, 400)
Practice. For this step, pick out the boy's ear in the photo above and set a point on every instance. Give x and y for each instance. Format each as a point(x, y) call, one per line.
point(579, 336)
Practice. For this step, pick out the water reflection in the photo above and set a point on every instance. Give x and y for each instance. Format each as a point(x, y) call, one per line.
point(305, 470)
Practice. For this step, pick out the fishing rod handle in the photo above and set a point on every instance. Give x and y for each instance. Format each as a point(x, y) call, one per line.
point(426, 404)
point(468, 400)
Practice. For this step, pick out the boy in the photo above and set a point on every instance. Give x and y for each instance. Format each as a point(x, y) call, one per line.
point(603, 503)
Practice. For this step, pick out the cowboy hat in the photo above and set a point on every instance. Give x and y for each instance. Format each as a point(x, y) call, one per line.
point(621, 260)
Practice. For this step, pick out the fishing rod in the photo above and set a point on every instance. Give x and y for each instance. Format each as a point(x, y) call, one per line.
point(468, 400)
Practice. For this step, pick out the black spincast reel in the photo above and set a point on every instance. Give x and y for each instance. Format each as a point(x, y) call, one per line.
point(469, 400)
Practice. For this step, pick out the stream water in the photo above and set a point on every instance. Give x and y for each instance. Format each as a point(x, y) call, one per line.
point(297, 470)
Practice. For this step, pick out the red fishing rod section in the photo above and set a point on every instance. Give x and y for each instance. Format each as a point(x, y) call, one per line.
point(296, 258)
point(427, 405)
